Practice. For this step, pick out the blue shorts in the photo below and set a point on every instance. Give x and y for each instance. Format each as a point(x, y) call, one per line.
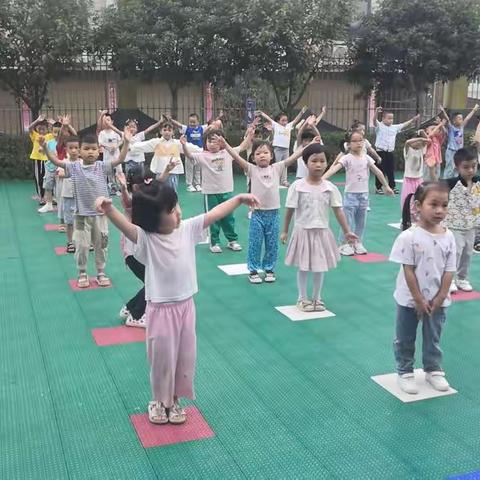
point(68, 207)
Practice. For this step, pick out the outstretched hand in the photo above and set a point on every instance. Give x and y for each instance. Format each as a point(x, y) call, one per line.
point(103, 204)
point(221, 141)
point(171, 164)
point(127, 134)
point(283, 237)
point(351, 237)
point(249, 199)
point(122, 180)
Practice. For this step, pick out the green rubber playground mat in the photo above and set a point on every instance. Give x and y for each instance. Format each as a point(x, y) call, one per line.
point(290, 400)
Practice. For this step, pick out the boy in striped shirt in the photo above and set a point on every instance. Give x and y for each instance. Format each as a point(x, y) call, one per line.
point(89, 179)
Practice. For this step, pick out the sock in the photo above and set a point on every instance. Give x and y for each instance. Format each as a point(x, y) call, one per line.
point(302, 278)
point(317, 285)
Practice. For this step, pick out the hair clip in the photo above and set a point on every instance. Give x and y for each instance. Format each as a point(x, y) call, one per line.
point(148, 181)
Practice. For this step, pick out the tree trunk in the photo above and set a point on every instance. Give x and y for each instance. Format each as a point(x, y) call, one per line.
point(174, 92)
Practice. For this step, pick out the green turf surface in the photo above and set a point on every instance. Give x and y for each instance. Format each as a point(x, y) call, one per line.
point(285, 399)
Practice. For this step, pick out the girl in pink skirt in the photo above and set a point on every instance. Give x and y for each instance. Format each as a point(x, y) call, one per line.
point(166, 246)
point(413, 154)
point(433, 156)
point(312, 246)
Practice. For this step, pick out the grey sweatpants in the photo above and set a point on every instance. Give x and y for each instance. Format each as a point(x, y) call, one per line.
point(90, 231)
point(464, 240)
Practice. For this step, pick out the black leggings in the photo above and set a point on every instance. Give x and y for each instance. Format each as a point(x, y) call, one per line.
point(137, 304)
point(39, 174)
point(388, 168)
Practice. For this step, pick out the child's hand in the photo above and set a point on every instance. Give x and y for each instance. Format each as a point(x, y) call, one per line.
point(423, 307)
point(41, 118)
point(183, 139)
point(220, 140)
point(127, 135)
point(249, 199)
point(379, 109)
point(171, 164)
point(65, 120)
point(388, 191)
point(436, 303)
point(417, 116)
point(103, 204)
point(284, 237)
point(324, 110)
point(351, 237)
point(41, 141)
point(317, 139)
point(304, 109)
point(122, 180)
point(103, 112)
point(250, 132)
point(476, 107)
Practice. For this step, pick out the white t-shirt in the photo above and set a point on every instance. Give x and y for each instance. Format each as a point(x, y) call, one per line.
point(413, 162)
point(312, 202)
point(170, 263)
point(264, 184)
point(357, 172)
point(108, 139)
point(217, 171)
point(281, 134)
point(431, 254)
point(386, 136)
point(136, 155)
point(163, 150)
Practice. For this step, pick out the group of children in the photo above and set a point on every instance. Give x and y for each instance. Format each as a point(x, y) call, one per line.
point(159, 247)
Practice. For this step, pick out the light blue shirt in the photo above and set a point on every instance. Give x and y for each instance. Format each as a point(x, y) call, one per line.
point(455, 137)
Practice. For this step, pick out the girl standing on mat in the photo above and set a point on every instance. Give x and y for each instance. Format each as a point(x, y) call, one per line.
point(312, 247)
point(165, 244)
point(427, 255)
point(357, 165)
point(133, 312)
point(264, 223)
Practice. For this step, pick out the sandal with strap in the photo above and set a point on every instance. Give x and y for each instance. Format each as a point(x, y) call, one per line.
point(103, 280)
point(70, 247)
point(157, 413)
point(318, 306)
point(176, 414)
point(83, 281)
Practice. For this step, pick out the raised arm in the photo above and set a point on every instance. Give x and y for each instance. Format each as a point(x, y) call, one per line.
point(104, 205)
point(445, 114)
point(40, 118)
point(153, 127)
point(372, 152)
point(299, 116)
point(225, 208)
point(127, 137)
point(409, 122)
point(470, 115)
point(224, 145)
point(52, 156)
point(298, 153)
point(378, 110)
point(101, 114)
point(265, 116)
point(322, 114)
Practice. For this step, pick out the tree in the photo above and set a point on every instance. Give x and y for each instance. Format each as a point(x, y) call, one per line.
point(40, 40)
point(289, 42)
point(178, 40)
point(413, 43)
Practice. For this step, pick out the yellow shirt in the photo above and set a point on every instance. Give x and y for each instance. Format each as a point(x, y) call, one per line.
point(37, 151)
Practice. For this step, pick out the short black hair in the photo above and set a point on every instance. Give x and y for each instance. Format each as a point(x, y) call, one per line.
point(42, 123)
point(89, 138)
point(71, 139)
point(457, 113)
point(312, 149)
point(57, 125)
point(464, 155)
point(280, 115)
point(194, 115)
point(149, 202)
point(165, 124)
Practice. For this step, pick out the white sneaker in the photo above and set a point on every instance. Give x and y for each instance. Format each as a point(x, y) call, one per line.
point(407, 383)
point(254, 277)
point(235, 246)
point(270, 277)
point(48, 207)
point(132, 322)
point(346, 250)
point(198, 188)
point(215, 249)
point(437, 380)
point(191, 188)
point(124, 313)
point(453, 287)
point(249, 214)
point(369, 209)
point(360, 249)
point(157, 413)
point(464, 285)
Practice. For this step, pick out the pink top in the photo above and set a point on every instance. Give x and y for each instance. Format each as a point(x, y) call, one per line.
point(433, 155)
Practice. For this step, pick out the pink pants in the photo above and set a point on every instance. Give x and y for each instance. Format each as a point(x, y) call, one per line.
point(171, 349)
point(410, 185)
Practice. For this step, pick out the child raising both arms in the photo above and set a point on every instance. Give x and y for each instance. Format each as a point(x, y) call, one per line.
point(165, 244)
point(89, 179)
point(264, 222)
point(358, 166)
point(312, 246)
point(426, 253)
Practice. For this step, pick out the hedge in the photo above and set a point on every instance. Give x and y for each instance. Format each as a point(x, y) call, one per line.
point(15, 151)
point(14, 157)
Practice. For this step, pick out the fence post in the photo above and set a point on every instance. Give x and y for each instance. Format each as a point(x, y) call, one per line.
point(127, 93)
